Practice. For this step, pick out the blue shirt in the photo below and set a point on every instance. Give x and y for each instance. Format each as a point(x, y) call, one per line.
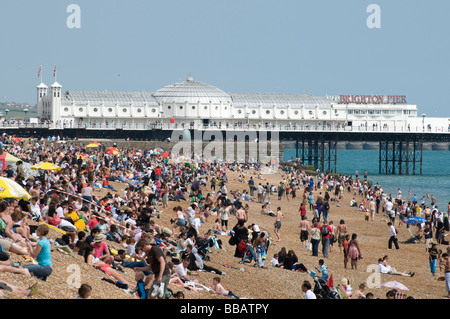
point(44, 258)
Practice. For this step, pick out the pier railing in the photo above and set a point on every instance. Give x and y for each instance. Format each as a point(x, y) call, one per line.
point(223, 127)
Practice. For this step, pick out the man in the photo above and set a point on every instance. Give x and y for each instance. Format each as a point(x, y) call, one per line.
point(325, 231)
point(277, 225)
point(306, 288)
point(260, 192)
point(156, 263)
point(393, 236)
point(251, 185)
point(372, 208)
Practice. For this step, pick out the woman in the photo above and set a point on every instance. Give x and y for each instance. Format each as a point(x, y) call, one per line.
point(91, 260)
point(6, 225)
point(291, 262)
point(41, 251)
point(180, 219)
point(354, 253)
point(315, 237)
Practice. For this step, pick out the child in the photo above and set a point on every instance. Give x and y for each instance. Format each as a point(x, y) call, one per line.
point(274, 261)
point(367, 215)
point(84, 292)
point(218, 288)
point(323, 270)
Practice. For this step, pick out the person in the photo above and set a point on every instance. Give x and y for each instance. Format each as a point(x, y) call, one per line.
point(156, 263)
point(359, 294)
point(291, 262)
point(325, 232)
point(325, 210)
point(218, 288)
point(84, 292)
point(372, 208)
point(384, 268)
point(91, 260)
point(428, 235)
point(306, 288)
point(392, 236)
point(323, 270)
point(304, 231)
point(315, 237)
point(101, 249)
point(29, 291)
point(341, 233)
point(260, 246)
point(433, 254)
point(445, 264)
point(354, 253)
point(277, 224)
point(345, 249)
point(41, 251)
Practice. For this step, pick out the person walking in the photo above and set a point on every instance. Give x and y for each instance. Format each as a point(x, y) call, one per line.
point(325, 232)
point(393, 236)
point(354, 252)
point(315, 238)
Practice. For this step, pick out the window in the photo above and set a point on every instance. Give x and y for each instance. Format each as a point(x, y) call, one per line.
point(324, 112)
point(281, 112)
point(296, 112)
point(268, 112)
point(310, 112)
point(193, 107)
point(139, 110)
point(153, 110)
point(66, 109)
point(181, 107)
point(253, 112)
point(169, 107)
point(95, 109)
point(80, 109)
point(124, 110)
point(110, 110)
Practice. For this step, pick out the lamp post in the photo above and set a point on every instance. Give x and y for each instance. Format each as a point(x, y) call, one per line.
point(6, 114)
point(423, 122)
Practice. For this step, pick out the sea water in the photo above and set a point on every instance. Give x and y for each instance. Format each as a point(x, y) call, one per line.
point(435, 178)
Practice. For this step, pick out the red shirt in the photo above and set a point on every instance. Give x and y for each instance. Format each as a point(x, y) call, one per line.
point(329, 231)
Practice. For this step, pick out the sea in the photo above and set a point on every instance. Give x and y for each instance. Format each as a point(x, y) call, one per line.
point(435, 178)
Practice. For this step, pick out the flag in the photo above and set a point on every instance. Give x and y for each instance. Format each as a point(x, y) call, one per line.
point(54, 72)
point(39, 72)
point(330, 282)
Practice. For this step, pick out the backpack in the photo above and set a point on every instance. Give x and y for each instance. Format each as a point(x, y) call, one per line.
point(325, 230)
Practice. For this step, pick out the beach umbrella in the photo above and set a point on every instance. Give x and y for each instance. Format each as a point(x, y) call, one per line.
point(11, 158)
point(83, 156)
point(112, 152)
point(415, 220)
point(172, 120)
point(93, 145)
point(16, 139)
point(11, 189)
point(46, 166)
point(112, 148)
point(394, 285)
point(165, 154)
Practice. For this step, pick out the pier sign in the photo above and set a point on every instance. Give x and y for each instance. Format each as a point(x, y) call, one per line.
point(372, 99)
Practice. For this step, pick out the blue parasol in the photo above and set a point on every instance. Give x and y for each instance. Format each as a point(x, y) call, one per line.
point(415, 220)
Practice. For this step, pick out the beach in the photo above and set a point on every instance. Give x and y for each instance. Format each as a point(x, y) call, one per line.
point(269, 282)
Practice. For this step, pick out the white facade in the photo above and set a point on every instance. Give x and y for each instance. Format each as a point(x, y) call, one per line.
point(203, 104)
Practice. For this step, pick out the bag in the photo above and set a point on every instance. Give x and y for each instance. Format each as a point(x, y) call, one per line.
point(325, 230)
point(309, 246)
point(232, 241)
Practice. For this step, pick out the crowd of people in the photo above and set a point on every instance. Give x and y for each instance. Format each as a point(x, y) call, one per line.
point(67, 200)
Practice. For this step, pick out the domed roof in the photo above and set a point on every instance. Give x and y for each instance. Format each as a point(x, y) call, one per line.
point(191, 91)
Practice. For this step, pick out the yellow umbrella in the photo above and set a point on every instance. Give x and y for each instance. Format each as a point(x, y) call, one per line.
point(11, 189)
point(46, 166)
point(93, 145)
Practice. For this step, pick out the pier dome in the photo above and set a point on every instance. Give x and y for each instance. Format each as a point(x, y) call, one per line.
point(191, 91)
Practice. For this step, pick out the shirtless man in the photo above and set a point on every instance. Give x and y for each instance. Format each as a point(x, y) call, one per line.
point(240, 214)
point(277, 225)
point(359, 294)
point(218, 288)
point(341, 232)
point(372, 207)
point(304, 231)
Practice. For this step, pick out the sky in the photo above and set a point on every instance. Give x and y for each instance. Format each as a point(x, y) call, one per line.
point(322, 47)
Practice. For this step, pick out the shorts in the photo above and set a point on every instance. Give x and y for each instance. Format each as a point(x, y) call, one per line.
point(303, 235)
point(105, 268)
point(278, 225)
point(181, 222)
point(224, 222)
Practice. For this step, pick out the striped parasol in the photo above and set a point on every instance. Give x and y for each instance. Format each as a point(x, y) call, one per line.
point(394, 285)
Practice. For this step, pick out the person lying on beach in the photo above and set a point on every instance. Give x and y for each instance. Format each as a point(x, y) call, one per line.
point(218, 288)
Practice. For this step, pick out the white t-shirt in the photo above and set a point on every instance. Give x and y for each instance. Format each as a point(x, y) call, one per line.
point(181, 271)
point(310, 295)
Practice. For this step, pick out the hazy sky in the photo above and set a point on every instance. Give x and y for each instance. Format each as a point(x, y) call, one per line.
point(285, 46)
